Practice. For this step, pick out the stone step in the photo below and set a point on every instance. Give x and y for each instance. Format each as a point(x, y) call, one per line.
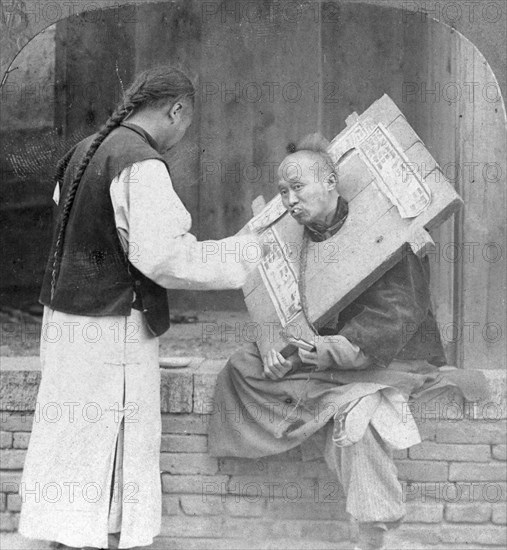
point(14, 541)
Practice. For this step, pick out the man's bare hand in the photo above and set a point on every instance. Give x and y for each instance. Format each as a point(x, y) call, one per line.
point(276, 366)
point(307, 353)
point(309, 357)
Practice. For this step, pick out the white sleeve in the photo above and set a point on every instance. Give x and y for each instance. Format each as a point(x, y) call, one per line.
point(153, 226)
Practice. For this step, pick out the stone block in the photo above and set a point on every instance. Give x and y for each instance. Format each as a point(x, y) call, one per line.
point(176, 390)
point(188, 463)
point(431, 512)
point(422, 470)
point(13, 459)
point(184, 424)
point(471, 471)
point(246, 528)
point(170, 505)
point(499, 452)
point(21, 440)
point(240, 507)
point(428, 450)
point(479, 491)
point(414, 536)
point(337, 531)
point(202, 505)
point(16, 421)
point(475, 512)
point(283, 509)
point(244, 466)
point(9, 481)
point(14, 502)
point(9, 521)
point(472, 431)
point(473, 534)
point(18, 389)
point(183, 526)
point(204, 386)
point(499, 513)
point(195, 484)
point(6, 439)
point(189, 443)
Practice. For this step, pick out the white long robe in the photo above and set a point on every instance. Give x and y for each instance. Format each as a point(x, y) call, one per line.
point(100, 387)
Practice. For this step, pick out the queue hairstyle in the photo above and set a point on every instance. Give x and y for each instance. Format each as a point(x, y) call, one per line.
point(151, 88)
point(315, 143)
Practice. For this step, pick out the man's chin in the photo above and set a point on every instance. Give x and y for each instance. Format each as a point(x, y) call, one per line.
point(300, 218)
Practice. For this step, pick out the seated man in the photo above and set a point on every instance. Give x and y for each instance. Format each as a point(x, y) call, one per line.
point(361, 361)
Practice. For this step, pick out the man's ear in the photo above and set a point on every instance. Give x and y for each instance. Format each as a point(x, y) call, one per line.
point(331, 181)
point(175, 110)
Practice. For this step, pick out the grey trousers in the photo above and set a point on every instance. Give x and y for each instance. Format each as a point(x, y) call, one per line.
point(369, 478)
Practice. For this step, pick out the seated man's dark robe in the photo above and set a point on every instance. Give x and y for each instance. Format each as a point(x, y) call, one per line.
point(392, 323)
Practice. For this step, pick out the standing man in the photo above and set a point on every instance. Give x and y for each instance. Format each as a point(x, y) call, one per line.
point(121, 239)
point(361, 371)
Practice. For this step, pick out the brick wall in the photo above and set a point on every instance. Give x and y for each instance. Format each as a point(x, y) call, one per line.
point(454, 482)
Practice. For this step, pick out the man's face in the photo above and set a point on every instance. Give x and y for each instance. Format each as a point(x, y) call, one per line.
point(306, 186)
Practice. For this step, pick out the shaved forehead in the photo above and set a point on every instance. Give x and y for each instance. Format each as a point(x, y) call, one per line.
point(304, 163)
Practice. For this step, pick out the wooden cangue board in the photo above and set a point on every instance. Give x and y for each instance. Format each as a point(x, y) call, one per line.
point(396, 192)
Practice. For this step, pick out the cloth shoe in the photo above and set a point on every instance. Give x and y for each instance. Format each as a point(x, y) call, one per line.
point(112, 544)
point(371, 536)
point(113, 540)
point(351, 420)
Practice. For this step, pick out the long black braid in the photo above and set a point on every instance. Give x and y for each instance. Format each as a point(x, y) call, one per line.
point(150, 88)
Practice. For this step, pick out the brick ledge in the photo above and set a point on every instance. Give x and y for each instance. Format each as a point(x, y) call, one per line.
point(188, 389)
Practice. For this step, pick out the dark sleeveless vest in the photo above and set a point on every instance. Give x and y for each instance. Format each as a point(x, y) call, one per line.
point(94, 276)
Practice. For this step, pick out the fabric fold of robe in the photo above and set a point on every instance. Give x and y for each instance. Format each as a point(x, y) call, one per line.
point(252, 416)
point(100, 375)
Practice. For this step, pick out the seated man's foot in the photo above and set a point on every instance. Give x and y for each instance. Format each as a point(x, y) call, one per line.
point(113, 541)
point(352, 419)
point(371, 536)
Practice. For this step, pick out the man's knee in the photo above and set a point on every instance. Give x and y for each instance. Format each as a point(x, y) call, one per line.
point(244, 363)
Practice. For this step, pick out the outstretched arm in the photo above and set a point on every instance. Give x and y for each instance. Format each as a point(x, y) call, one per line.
point(154, 226)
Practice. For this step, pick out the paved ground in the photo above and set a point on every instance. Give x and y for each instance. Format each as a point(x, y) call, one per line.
point(211, 334)
point(13, 541)
point(216, 335)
